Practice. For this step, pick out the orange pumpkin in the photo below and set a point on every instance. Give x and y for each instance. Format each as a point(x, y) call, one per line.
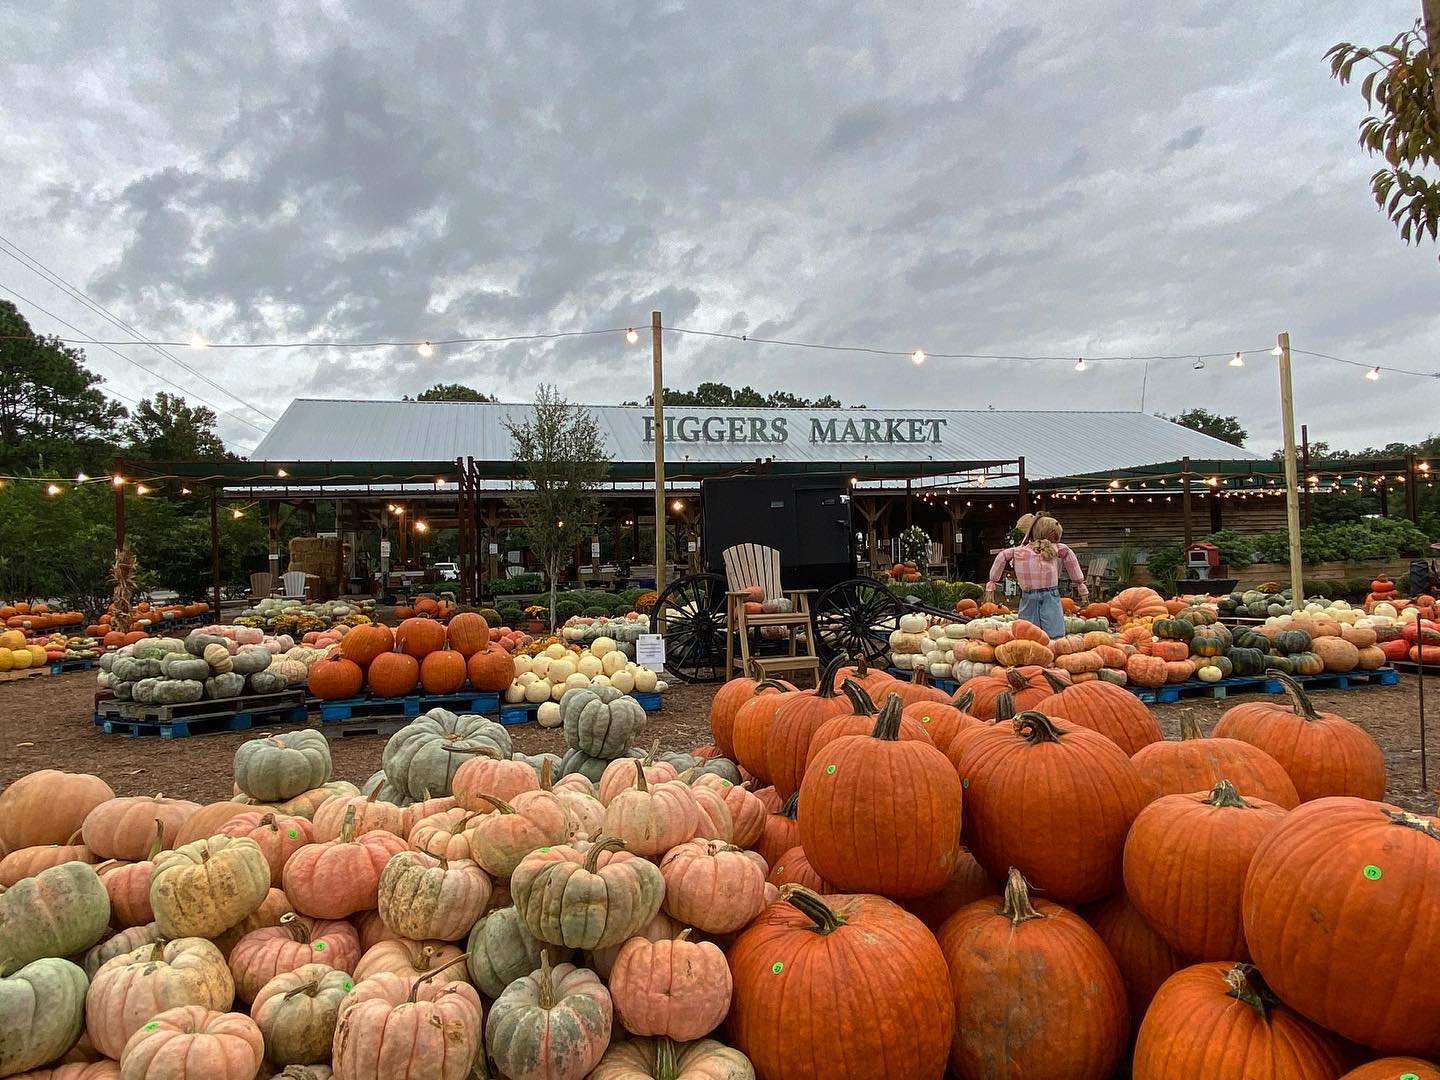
point(392, 674)
point(442, 672)
point(333, 678)
point(1138, 602)
point(362, 644)
point(468, 634)
point(491, 669)
point(420, 637)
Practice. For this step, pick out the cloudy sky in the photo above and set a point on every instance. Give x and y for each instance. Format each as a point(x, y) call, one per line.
point(970, 178)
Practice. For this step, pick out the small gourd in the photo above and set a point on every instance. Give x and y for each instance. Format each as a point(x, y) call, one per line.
point(218, 657)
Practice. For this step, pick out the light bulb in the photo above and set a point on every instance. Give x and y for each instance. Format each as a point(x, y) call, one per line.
point(118, 480)
point(184, 491)
point(281, 473)
point(631, 336)
point(141, 489)
point(81, 478)
point(1199, 364)
point(52, 489)
point(1373, 374)
point(677, 506)
point(198, 342)
point(1277, 351)
point(237, 513)
point(917, 357)
point(1238, 360)
point(1080, 364)
point(425, 349)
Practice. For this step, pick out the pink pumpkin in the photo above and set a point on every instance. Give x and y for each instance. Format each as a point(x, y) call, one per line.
point(747, 810)
point(674, 987)
point(487, 773)
point(279, 837)
point(713, 886)
point(262, 954)
point(399, 1029)
point(131, 988)
point(339, 877)
point(410, 960)
point(649, 820)
point(194, 1043)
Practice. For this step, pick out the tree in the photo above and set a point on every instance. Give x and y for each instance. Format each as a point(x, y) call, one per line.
point(713, 395)
point(451, 392)
point(164, 428)
point(1402, 91)
point(53, 416)
point(562, 450)
point(1224, 428)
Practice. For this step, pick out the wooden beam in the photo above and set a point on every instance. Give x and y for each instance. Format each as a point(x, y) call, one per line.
point(1185, 500)
point(215, 550)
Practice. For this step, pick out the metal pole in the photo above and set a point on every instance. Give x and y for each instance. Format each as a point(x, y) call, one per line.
point(1185, 508)
point(909, 504)
point(1420, 675)
point(659, 394)
point(1292, 494)
point(215, 550)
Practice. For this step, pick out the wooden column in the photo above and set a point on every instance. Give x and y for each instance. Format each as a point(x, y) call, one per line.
point(1384, 497)
point(1023, 487)
point(1215, 514)
point(492, 527)
point(463, 529)
point(339, 550)
point(909, 504)
point(1292, 496)
point(1185, 500)
point(215, 551)
point(1412, 501)
point(119, 512)
point(272, 529)
point(659, 392)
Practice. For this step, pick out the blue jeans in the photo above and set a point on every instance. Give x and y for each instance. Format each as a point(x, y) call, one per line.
point(1042, 607)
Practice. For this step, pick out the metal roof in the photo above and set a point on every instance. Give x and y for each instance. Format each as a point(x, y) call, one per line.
point(873, 441)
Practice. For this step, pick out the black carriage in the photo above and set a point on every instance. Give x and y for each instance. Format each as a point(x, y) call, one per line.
point(807, 519)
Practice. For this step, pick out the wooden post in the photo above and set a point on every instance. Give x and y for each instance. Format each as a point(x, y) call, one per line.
point(659, 392)
point(214, 550)
point(119, 511)
point(909, 504)
point(492, 526)
point(1185, 509)
point(272, 528)
point(1292, 494)
point(1215, 515)
point(404, 516)
point(1384, 496)
point(1412, 502)
point(1305, 469)
point(1023, 493)
point(339, 550)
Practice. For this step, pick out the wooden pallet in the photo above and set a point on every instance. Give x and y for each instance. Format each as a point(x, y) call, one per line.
point(1410, 667)
point(476, 702)
point(25, 673)
point(378, 725)
point(219, 724)
point(1198, 688)
point(523, 712)
point(136, 712)
point(61, 666)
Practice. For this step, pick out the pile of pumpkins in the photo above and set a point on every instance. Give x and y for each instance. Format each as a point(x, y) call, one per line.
point(215, 663)
point(37, 616)
point(17, 652)
point(625, 630)
point(144, 618)
point(543, 679)
point(420, 655)
point(297, 617)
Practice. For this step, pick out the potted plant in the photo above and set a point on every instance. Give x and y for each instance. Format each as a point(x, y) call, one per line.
point(535, 619)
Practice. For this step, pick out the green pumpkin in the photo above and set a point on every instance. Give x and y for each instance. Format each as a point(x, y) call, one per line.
point(60, 911)
point(1228, 605)
point(1307, 663)
point(501, 949)
point(282, 766)
point(196, 642)
point(1246, 661)
point(1198, 616)
point(1173, 629)
point(592, 768)
point(421, 758)
point(1224, 664)
point(1247, 637)
point(1210, 641)
point(250, 659)
point(181, 666)
point(1099, 624)
point(1280, 663)
point(1288, 642)
point(42, 1011)
point(600, 721)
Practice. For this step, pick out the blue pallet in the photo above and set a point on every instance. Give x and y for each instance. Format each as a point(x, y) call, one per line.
point(201, 725)
point(1335, 680)
point(59, 666)
point(523, 712)
point(484, 704)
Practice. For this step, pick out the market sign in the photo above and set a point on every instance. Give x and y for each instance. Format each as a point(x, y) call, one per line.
point(858, 430)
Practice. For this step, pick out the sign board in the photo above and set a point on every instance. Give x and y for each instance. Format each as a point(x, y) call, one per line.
point(650, 651)
point(694, 546)
point(819, 429)
point(594, 550)
point(384, 549)
point(494, 549)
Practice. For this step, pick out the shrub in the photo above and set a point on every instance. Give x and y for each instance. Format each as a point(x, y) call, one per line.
point(521, 583)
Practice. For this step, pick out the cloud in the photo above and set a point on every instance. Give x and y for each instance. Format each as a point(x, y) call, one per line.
point(1132, 181)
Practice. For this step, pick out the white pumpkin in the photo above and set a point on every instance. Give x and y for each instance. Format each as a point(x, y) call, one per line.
point(537, 691)
point(623, 681)
point(514, 693)
point(905, 661)
point(912, 622)
point(557, 651)
point(1384, 608)
point(557, 690)
point(954, 631)
point(940, 671)
point(602, 646)
point(935, 633)
point(661, 686)
point(600, 680)
point(612, 662)
point(589, 666)
point(540, 666)
point(548, 715)
point(560, 670)
point(525, 678)
point(645, 680)
point(523, 664)
point(577, 681)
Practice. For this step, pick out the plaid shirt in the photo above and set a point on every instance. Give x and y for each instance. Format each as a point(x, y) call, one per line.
point(1032, 571)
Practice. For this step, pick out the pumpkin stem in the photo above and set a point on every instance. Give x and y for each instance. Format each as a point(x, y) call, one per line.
point(347, 827)
point(410, 998)
point(308, 989)
point(1017, 907)
point(1190, 728)
point(813, 906)
point(640, 784)
point(157, 952)
point(1056, 682)
point(1248, 985)
point(768, 684)
point(547, 982)
point(265, 819)
point(860, 700)
point(792, 804)
point(1415, 821)
point(862, 666)
point(887, 724)
point(483, 750)
point(1016, 680)
point(158, 844)
point(499, 804)
point(298, 929)
point(424, 958)
point(1224, 794)
point(70, 840)
point(1299, 700)
point(546, 778)
point(919, 677)
point(373, 794)
point(684, 935)
point(1004, 706)
point(459, 826)
point(827, 687)
point(649, 758)
point(963, 700)
point(1035, 728)
point(666, 1067)
point(601, 843)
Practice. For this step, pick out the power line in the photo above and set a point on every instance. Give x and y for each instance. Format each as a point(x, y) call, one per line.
point(76, 293)
point(85, 339)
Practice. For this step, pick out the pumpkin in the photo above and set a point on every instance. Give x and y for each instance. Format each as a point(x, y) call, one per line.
point(600, 720)
point(1024, 686)
point(370, 814)
point(61, 911)
point(860, 720)
point(674, 986)
point(280, 767)
point(445, 834)
point(712, 820)
point(723, 707)
point(500, 950)
point(421, 758)
point(193, 1043)
point(1321, 890)
point(796, 719)
point(127, 940)
point(393, 674)
point(1004, 963)
point(967, 883)
point(713, 886)
point(648, 1059)
point(1020, 652)
point(129, 989)
point(48, 807)
point(204, 888)
point(1111, 710)
point(1079, 792)
point(409, 960)
point(263, 954)
point(1395, 1068)
point(296, 1011)
point(1194, 1027)
point(605, 893)
point(307, 804)
point(278, 837)
point(27, 862)
point(651, 821)
point(42, 1012)
point(335, 878)
point(1323, 753)
point(942, 720)
point(491, 669)
point(1138, 603)
point(1144, 959)
point(553, 1024)
point(1146, 671)
point(124, 828)
point(442, 672)
point(1196, 763)
point(420, 637)
point(1337, 653)
point(401, 1030)
point(620, 774)
point(422, 897)
point(500, 840)
point(753, 722)
point(468, 633)
point(747, 812)
point(1185, 863)
point(903, 842)
point(808, 967)
point(363, 644)
point(792, 867)
point(484, 775)
point(334, 678)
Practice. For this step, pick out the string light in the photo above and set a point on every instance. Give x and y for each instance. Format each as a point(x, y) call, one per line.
point(81, 478)
point(425, 349)
point(1277, 351)
point(631, 336)
point(281, 473)
point(141, 489)
point(677, 505)
point(197, 342)
point(917, 357)
point(237, 513)
point(1080, 364)
point(421, 527)
point(52, 489)
point(1238, 360)
point(1373, 374)
point(1199, 364)
point(118, 480)
point(184, 491)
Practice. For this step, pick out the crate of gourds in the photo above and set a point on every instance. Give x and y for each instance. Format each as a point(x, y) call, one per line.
point(214, 663)
point(869, 879)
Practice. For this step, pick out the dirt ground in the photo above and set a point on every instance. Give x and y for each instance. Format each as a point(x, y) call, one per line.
point(45, 722)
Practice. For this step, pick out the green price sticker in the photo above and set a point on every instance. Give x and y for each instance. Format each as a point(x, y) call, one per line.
point(829, 770)
point(965, 783)
point(777, 967)
point(319, 946)
point(1372, 872)
point(151, 1026)
point(291, 833)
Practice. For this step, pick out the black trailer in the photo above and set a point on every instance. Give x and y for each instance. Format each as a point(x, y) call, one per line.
point(807, 519)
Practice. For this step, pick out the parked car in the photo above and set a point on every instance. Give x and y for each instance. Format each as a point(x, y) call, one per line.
point(448, 571)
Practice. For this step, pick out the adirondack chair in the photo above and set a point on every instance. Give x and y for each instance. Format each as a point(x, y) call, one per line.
point(752, 566)
point(292, 585)
point(1095, 574)
point(261, 585)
